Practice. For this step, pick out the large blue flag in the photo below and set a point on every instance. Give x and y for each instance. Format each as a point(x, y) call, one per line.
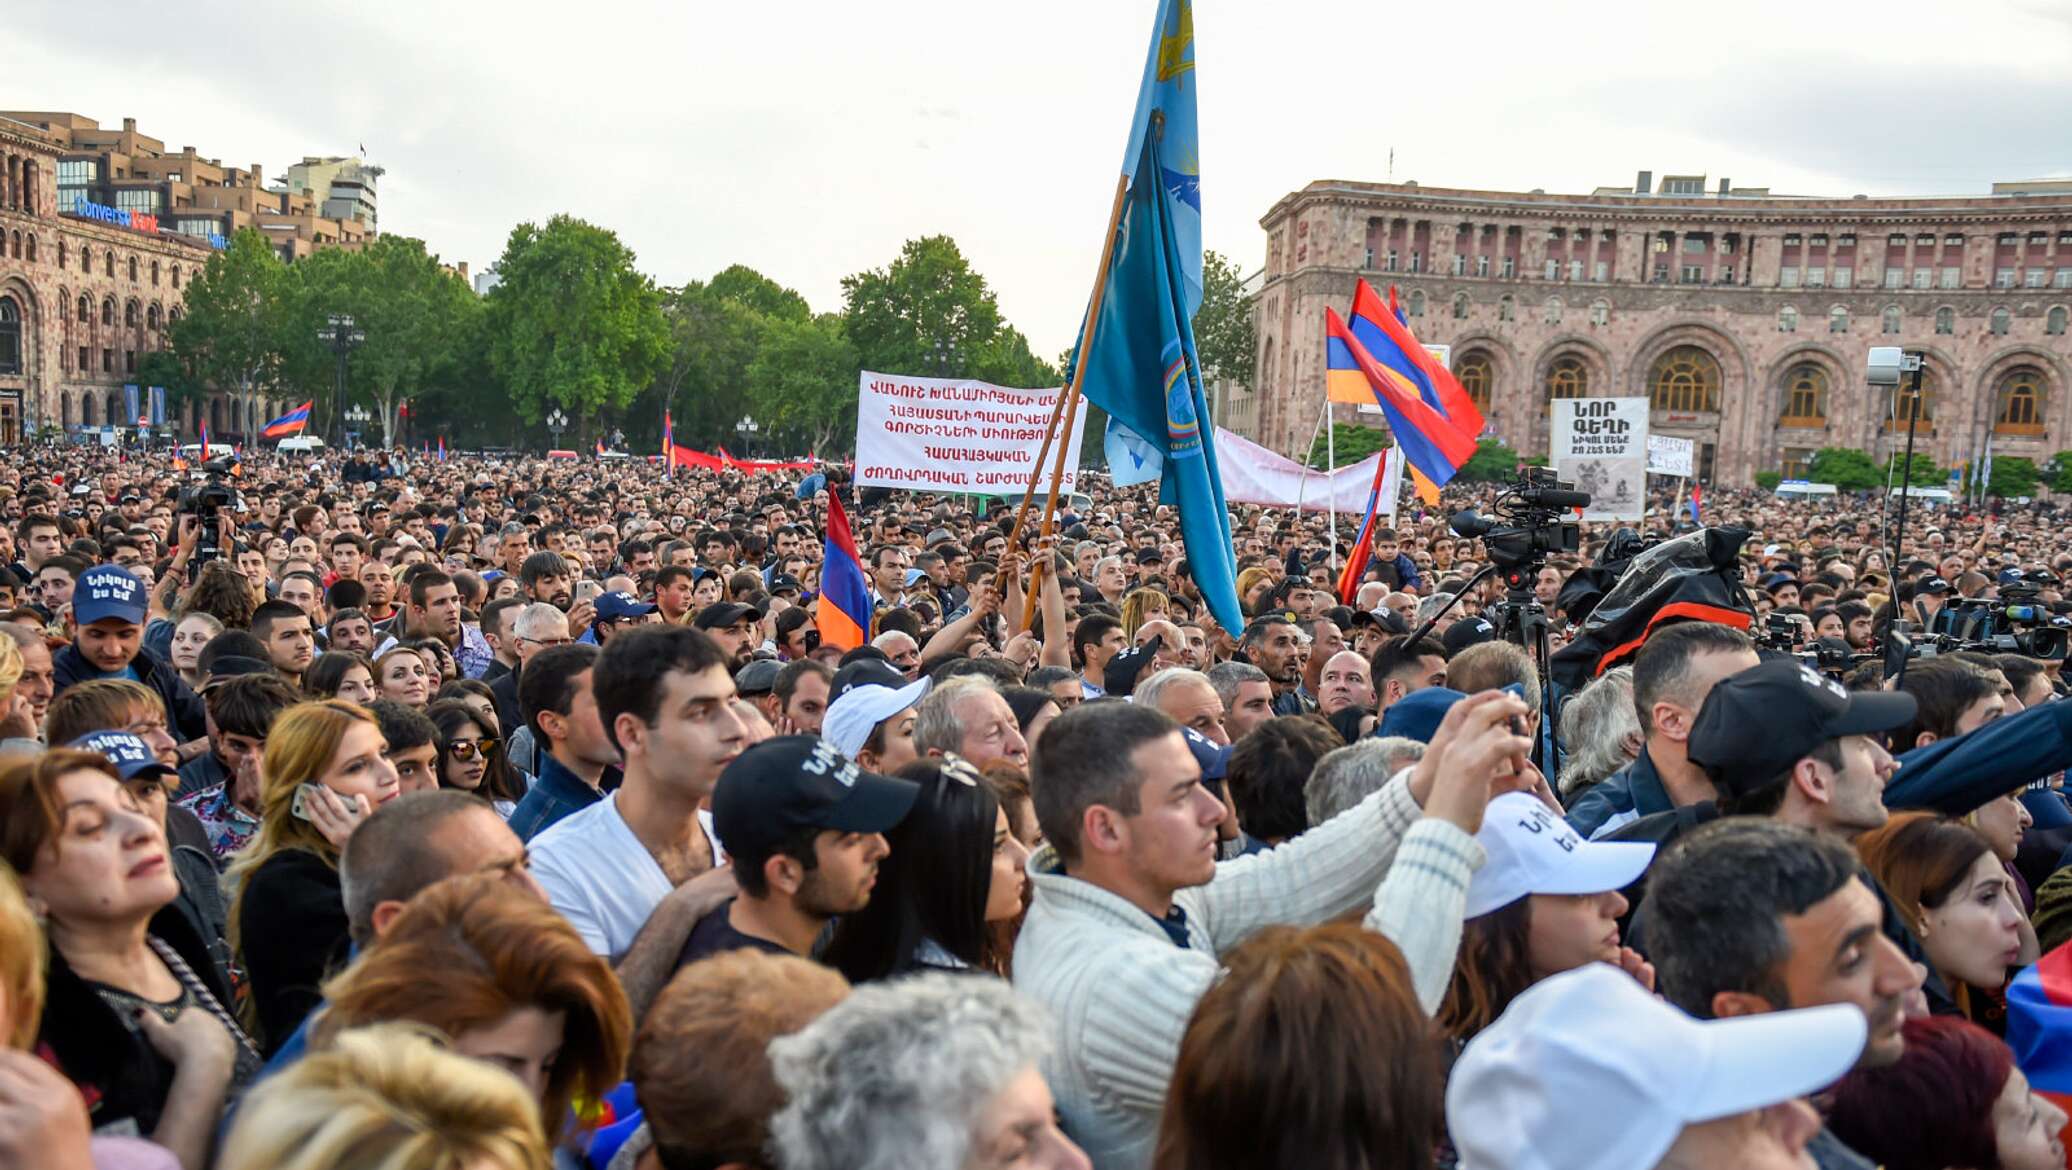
point(1141, 365)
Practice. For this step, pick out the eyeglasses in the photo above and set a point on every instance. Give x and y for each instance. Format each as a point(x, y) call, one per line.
point(546, 641)
point(468, 749)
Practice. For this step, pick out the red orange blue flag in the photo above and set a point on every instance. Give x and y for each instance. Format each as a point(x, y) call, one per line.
point(290, 423)
point(844, 614)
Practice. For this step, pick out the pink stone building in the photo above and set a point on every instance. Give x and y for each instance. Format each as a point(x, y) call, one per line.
point(1744, 315)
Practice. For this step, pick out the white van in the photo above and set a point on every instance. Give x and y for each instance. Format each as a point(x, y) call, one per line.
point(193, 450)
point(301, 445)
point(1799, 489)
point(1927, 495)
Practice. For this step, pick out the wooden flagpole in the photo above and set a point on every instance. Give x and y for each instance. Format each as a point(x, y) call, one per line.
point(1068, 410)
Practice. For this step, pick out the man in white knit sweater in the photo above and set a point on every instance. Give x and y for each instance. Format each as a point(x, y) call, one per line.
point(1131, 909)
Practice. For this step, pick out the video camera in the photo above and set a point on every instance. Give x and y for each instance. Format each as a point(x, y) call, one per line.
point(206, 501)
point(2017, 623)
point(1529, 524)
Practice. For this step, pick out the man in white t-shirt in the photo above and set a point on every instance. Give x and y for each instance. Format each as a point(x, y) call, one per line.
point(634, 872)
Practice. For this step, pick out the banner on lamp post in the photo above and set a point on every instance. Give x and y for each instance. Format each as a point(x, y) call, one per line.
point(1601, 446)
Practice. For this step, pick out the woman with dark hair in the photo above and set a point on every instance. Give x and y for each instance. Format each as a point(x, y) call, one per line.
point(954, 867)
point(469, 758)
point(1033, 709)
point(1312, 1050)
point(1955, 1098)
point(1953, 891)
point(476, 694)
point(340, 674)
point(1545, 901)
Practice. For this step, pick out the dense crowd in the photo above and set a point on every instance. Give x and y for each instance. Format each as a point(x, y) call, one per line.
point(403, 814)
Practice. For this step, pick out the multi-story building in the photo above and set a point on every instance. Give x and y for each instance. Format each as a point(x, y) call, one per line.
point(1744, 315)
point(343, 187)
point(102, 232)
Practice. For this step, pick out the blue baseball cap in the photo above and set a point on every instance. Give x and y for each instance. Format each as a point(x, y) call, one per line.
point(619, 604)
point(1213, 757)
point(1417, 715)
point(131, 756)
point(109, 591)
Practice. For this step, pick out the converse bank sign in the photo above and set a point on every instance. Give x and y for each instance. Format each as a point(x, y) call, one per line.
point(138, 221)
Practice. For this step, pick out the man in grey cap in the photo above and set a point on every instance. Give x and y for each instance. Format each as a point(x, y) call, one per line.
point(757, 682)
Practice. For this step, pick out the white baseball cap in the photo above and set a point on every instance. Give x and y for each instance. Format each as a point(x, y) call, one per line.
point(866, 693)
point(1531, 850)
point(1587, 1071)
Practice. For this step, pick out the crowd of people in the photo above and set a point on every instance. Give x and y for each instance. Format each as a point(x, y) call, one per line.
point(485, 814)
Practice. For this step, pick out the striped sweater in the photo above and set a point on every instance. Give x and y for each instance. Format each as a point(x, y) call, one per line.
point(1120, 993)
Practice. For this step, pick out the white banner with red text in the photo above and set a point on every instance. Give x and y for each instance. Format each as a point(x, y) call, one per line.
point(954, 434)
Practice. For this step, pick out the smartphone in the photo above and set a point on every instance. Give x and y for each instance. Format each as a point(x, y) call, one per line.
point(299, 807)
point(587, 590)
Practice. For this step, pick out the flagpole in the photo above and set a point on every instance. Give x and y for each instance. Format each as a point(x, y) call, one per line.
point(1330, 488)
point(1068, 409)
point(1302, 486)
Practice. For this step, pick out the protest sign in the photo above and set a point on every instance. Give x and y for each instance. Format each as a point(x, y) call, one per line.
point(953, 434)
point(1601, 446)
point(1669, 455)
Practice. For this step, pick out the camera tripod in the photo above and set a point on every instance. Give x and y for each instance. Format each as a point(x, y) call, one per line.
point(1521, 620)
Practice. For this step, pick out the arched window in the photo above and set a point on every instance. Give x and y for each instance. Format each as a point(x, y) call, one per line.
point(151, 317)
point(32, 246)
point(1553, 311)
point(108, 264)
point(65, 410)
point(1568, 377)
point(2054, 323)
point(172, 318)
point(1888, 321)
point(133, 269)
point(86, 310)
point(1460, 306)
point(1685, 379)
point(154, 274)
point(86, 258)
point(1805, 397)
point(108, 312)
point(17, 244)
point(1506, 308)
point(86, 410)
point(1946, 320)
point(62, 253)
point(1903, 404)
point(1788, 320)
point(1417, 302)
point(114, 415)
point(10, 336)
point(2002, 319)
point(176, 276)
point(1476, 377)
point(2021, 403)
point(1600, 312)
point(129, 314)
point(1838, 319)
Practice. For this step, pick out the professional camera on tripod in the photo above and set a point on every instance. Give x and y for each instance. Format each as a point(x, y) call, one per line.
point(1533, 518)
point(2015, 623)
point(205, 501)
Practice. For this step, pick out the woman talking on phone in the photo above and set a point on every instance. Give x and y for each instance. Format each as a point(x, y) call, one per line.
point(324, 773)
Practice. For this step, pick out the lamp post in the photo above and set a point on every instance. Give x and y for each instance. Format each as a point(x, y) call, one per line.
point(747, 429)
point(556, 423)
point(356, 417)
point(343, 337)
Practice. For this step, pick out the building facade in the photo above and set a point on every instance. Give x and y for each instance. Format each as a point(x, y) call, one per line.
point(101, 231)
point(1744, 316)
point(344, 188)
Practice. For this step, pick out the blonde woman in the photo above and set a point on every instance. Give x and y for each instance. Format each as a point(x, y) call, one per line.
point(324, 772)
point(1140, 606)
point(387, 1098)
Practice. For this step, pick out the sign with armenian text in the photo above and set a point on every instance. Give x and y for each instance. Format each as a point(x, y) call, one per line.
point(954, 434)
point(1601, 446)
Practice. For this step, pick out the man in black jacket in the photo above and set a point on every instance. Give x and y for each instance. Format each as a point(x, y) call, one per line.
point(107, 625)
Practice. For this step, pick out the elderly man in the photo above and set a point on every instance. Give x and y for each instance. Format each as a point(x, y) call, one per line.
point(901, 649)
point(1247, 696)
point(1188, 698)
point(1344, 682)
point(968, 715)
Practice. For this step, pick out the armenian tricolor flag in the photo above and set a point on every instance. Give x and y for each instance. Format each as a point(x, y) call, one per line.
point(1381, 501)
point(290, 423)
point(844, 615)
point(1430, 444)
point(668, 447)
point(2039, 1025)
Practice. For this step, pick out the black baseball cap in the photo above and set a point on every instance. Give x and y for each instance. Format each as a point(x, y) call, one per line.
point(866, 672)
point(721, 614)
point(1468, 631)
point(1758, 723)
point(1935, 585)
point(793, 782)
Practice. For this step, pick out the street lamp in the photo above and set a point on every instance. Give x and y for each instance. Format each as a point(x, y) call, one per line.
point(942, 357)
point(357, 418)
point(343, 337)
point(748, 429)
point(557, 422)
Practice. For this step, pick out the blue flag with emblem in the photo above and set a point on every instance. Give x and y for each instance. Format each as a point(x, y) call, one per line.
point(1140, 360)
point(1131, 459)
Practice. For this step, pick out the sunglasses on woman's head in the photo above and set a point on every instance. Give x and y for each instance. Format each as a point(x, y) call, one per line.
point(468, 749)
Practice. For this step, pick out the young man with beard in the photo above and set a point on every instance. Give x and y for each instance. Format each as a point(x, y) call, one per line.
point(545, 576)
point(732, 626)
point(623, 870)
point(808, 831)
point(290, 642)
point(1274, 647)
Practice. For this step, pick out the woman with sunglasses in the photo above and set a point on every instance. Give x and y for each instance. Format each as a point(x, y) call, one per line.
point(468, 755)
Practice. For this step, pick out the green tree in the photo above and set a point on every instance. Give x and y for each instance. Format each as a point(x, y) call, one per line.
point(416, 315)
point(1353, 442)
point(751, 289)
point(1223, 332)
point(1847, 468)
point(2060, 470)
point(928, 312)
point(802, 382)
point(2013, 476)
point(1768, 480)
point(573, 323)
point(235, 319)
point(1493, 462)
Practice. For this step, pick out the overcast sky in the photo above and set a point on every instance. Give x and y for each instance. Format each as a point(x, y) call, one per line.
point(809, 139)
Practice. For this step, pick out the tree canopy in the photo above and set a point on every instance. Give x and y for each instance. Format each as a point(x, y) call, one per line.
point(572, 323)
